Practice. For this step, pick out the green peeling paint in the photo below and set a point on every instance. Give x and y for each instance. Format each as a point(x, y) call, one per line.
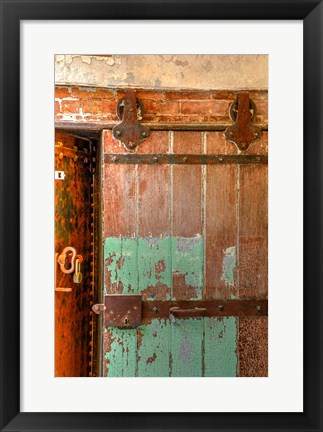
point(154, 264)
point(220, 357)
point(122, 355)
point(187, 336)
point(188, 259)
point(153, 349)
point(229, 264)
point(138, 264)
point(186, 347)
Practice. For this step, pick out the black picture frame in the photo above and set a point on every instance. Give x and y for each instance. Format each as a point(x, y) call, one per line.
point(12, 12)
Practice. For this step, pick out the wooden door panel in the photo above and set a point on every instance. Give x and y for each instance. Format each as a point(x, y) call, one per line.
point(72, 228)
point(185, 232)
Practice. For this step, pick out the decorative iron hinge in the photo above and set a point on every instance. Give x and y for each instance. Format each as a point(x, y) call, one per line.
point(243, 111)
point(130, 132)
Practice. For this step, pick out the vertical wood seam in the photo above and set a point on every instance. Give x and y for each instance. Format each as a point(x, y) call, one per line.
point(238, 230)
point(203, 208)
point(171, 206)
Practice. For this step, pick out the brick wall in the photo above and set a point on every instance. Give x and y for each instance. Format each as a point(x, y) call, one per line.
point(81, 104)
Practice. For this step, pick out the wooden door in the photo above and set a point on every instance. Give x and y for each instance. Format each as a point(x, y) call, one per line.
point(187, 230)
point(73, 227)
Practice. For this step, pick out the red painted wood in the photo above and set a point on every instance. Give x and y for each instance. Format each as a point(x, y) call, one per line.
point(72, 228)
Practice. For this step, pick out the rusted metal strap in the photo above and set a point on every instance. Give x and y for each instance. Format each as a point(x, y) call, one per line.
point(97, 126)
point(208, 308)
point(129, 311)
point(184, 159)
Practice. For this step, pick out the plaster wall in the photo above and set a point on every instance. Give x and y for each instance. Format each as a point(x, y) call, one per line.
point(207, 72)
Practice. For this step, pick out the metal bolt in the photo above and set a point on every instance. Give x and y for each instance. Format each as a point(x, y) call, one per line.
point(230, 134)
point(258, 308)
point(255, 135)
point(220, 307)
point(114, 159)
point(155, 158)
point(155, 309)
point(144, 134)
point(184, 159)
point(220, 159)
point(118, 133)
point(258, 159)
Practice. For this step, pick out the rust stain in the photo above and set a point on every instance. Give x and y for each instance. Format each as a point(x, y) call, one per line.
point(155, 292)
point(151, 359)
point(160, 266)
point(182, 291)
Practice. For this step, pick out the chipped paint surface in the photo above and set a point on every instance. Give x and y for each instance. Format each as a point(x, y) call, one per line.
point(150, 266)
point(220, 359)
point(187, 336)
point(229, 264)
point(121, 356)
point(153, 349)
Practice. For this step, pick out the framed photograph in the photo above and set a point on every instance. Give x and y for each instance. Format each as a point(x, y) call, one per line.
point(161, 215)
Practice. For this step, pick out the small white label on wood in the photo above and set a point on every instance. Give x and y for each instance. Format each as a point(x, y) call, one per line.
point(59, 175)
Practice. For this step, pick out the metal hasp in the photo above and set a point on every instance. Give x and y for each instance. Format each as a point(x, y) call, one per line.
point(243, 132)
point(130, 132)
point(122, 311)
point(126, 311)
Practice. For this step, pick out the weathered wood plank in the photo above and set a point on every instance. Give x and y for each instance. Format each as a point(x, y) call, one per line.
point(120, 352)
point(157, 142)
point(153, 201)
point(121, 265)
point(154, 268)
point(220, 358)
point(119, 201)
point(218, 144)
point(221, 232)
point(188, 267)
point(187, 216)
point(253, 228)
point(186, 353)
point(154, 349)
point(253, 347)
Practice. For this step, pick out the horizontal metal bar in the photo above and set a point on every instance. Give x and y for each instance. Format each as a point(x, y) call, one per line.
point(119, 307)
point(184, 159)
point(74, 126)
point(213, 308)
